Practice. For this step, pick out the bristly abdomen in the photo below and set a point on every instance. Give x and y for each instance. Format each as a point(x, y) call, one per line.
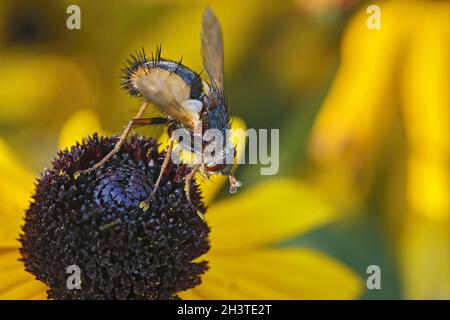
point(138, 65)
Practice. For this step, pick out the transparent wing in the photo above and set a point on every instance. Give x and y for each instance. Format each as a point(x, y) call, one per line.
point(212, 49)
point(169, 93)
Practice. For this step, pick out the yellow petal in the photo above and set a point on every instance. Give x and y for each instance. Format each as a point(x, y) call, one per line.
point(41, 295)
point(284, 273)
point(424, 258)
point(270, 212)
point(31, 290)
point(360, 105)
point(16, 185)
point(38, 88)
point(426, 111)
point(15, 282)
point(350, 118)
point(79, 125)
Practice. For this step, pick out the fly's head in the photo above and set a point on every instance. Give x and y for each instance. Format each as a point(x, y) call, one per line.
point(221, 163)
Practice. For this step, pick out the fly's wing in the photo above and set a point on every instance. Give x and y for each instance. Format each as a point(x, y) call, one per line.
point(212, 49)
point(169, 93)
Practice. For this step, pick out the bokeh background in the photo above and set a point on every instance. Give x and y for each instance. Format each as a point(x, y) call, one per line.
point(364, 115)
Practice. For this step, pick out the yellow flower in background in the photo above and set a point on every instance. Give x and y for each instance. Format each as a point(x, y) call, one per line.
point(82, 123)
point(41, 85)
point(179, 30)
point(319, 6)
point(245, 264)
point(390, 103)
point(16, 183)
point(244, 261)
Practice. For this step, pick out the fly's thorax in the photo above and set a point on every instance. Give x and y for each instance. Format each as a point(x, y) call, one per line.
point(215, 113)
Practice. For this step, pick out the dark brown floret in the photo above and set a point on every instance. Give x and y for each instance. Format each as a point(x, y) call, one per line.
point(94, 222)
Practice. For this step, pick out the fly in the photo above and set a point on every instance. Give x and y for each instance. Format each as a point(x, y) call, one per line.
point(187, 102)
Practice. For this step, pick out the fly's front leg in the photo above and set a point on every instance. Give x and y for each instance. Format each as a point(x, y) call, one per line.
point(118, 145)
point(144, 205)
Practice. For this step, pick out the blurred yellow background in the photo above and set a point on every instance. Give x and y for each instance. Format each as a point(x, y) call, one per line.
point(364, 115)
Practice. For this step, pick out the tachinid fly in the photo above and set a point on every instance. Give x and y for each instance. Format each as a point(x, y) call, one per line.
point(187, 102)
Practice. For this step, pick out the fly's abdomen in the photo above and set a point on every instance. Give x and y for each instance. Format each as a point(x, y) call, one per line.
point(139, 66)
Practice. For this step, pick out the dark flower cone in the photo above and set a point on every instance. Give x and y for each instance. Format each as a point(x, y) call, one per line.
point(94, 222)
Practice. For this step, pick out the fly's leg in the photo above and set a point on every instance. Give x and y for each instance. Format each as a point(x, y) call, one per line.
point(188, 182)
point(145, 204)
point(118, 145)
point(136, 121)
